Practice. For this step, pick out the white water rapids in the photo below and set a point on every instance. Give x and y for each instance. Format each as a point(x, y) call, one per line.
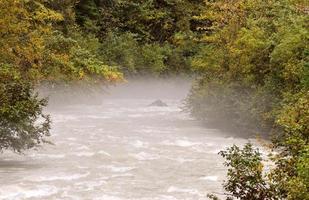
point(121, 149)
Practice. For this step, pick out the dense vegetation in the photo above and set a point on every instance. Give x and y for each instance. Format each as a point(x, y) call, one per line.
point(34, 47)
point(254, 73)
point(251, 58)
point(143, 37)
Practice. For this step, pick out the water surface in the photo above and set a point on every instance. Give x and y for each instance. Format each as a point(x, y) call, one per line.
point(121, 149)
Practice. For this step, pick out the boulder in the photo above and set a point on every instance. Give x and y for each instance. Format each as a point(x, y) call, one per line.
point(158, 103)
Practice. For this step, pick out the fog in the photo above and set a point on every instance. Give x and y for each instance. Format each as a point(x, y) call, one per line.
point(110, 145)
point(138, 88)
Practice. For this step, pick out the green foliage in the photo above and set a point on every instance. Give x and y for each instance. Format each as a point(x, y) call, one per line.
point(76, 56)
point(254, 74)
point(245, 177)
point(248, 179)
point(136, 58)
point(24, 25)
point(133, 58)
point(143, 37)
point(253, 58)
point(88, 14)
point(22, 124)
point(298, 186)
point(232, 104)
point(154, 20)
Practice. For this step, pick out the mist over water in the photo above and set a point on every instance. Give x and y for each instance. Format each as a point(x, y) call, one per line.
point(113, 146)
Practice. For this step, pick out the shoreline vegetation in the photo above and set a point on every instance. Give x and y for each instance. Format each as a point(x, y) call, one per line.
point(250, 57)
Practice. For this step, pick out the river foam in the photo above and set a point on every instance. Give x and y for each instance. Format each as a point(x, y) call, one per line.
point(121, 149)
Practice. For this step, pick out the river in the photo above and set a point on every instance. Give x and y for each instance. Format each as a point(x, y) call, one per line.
point(119, 149)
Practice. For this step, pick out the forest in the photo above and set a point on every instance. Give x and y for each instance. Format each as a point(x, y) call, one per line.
point(249, 60)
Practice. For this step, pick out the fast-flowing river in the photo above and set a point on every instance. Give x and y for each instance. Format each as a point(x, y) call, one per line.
point(120, 149)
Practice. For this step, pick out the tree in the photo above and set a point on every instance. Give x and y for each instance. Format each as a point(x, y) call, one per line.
point(34, 47)
point(24, 25)
point(163, 29)
point(254, 73)
point(22, 124)
point(253, 56)
point(247, 177)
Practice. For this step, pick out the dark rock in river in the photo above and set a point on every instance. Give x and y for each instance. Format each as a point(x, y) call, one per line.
point(158, 103)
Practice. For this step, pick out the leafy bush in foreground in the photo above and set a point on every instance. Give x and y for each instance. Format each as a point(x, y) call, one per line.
point(247, 178)
point(22, 124)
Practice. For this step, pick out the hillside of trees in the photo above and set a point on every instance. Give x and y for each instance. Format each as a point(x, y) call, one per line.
point(254, 73)
point(250, 59)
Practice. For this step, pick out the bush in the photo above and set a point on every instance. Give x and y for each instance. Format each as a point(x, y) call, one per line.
point(254, 73)
point(22, 124)
point(150, 59)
